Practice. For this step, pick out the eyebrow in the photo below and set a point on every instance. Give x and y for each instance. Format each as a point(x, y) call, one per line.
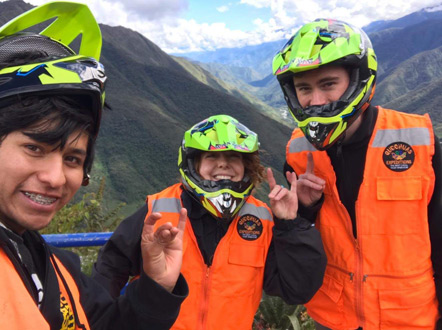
point(80, 152)
point(325, 79)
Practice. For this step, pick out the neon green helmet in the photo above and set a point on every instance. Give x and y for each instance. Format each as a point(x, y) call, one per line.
point(62, 71)
point(223, 198)
point(328, 42)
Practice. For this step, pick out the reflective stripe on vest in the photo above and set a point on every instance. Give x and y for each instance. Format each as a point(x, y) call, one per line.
point(173, 205)
point(384, 278)
point(166, 205)
point(18, 310)
point(225, 295)
point(300, 144)
point(415, 136)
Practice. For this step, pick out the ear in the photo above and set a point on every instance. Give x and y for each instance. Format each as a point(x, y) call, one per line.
point(86, 180)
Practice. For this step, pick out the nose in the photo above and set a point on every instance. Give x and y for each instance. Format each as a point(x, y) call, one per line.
point(222, 160)
point(52, 171)
point(318, 97)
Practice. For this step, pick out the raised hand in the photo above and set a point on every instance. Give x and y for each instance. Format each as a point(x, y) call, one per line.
point(283, 202)
point(162, 249)
point(310, 187)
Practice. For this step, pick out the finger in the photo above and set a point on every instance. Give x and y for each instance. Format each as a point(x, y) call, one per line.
point(280, 194)
point(275, 191)
point(291, 177)
point(150, 221)
point(152, 218)
point(270, 178)
point(182, 222)
point(164, 227)
point(312, 178)
point(310, 163)
point(311, 184)
point(163, 236)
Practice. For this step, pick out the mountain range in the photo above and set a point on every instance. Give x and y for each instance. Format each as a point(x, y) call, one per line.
point(155, 97)
point(408, 50)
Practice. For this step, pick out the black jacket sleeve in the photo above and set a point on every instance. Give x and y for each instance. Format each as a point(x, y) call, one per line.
point(120, 257)
point(145, 305)
point(295, 262)
point(435, 225)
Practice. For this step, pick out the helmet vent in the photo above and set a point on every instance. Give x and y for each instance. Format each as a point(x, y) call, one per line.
point(15, 47)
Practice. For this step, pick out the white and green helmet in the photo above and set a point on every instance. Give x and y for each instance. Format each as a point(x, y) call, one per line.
point(220, 133)
point(328, 42)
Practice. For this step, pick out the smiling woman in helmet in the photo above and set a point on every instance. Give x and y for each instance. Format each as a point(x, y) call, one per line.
point(370, 177)
point(234, 245)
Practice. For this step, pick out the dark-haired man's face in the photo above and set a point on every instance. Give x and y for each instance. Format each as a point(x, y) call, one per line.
point(321, 86)
point(36, 181)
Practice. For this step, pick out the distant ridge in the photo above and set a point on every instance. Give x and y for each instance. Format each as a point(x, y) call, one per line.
point(154, 99)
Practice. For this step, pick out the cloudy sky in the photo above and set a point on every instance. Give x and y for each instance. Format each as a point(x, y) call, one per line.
point(194, 25)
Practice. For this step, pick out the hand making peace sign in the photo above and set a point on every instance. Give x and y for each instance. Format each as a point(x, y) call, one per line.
point(283, 202)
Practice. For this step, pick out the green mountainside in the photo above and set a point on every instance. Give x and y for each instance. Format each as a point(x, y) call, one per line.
point(154, 99)
point(409, 61)
point(212, 75)
point(417, 72)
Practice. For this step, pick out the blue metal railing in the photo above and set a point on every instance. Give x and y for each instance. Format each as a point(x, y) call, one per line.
point(77, 239)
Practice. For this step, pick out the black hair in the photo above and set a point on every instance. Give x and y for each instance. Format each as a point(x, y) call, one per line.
point(51, 120)
point(47, 118)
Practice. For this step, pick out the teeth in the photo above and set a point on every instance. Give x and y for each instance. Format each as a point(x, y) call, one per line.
point(223, 177)
point(40, 199)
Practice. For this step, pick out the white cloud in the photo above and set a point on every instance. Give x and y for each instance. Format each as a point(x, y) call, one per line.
point(161, 20)
point(222, 9)
point(256, 3)
point(435, 8)
point(188, 35)
point(153, 9)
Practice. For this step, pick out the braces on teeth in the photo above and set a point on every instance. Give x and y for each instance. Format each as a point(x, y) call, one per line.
point(40, 198)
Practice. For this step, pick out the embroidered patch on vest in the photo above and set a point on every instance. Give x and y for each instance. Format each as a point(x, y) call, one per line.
point(398, 156)
point(249, 227)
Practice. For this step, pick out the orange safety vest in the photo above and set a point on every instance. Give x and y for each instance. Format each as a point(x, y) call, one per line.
point(384, 278)
point(227, 294)
point(19, 311)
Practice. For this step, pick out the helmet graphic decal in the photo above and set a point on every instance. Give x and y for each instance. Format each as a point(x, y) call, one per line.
point(30, 77)
point(313, 129)
point(225, 203)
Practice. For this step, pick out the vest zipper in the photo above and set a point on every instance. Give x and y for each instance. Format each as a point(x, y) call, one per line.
point(359, 281)
point(204, 306)
point(205, 285)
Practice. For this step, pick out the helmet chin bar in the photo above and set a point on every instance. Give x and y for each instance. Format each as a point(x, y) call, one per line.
point(318, 134)
point(226, 205)
point(223, 205)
